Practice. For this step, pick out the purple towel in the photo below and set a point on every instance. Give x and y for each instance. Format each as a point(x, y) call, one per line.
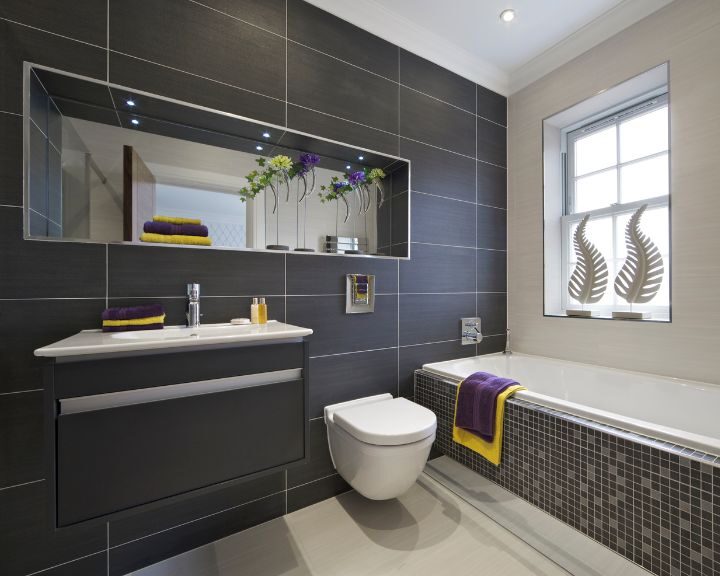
point(477, 401)
point(132, 328)
point(179, 229)
point(133, 312)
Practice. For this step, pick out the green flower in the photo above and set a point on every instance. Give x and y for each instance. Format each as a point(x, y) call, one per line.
point(375, 174)
point(281, 162)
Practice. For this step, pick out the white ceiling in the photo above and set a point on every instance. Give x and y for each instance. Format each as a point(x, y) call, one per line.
point(468, 37)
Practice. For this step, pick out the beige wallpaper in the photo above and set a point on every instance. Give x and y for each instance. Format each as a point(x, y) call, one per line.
point(687, 34)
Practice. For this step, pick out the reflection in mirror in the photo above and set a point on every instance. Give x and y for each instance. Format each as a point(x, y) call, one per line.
point(109, 165)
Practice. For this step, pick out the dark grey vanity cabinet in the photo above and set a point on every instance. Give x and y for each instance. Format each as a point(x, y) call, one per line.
point(135, 431)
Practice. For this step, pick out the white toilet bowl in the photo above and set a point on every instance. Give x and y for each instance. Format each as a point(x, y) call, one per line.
point(380, 444)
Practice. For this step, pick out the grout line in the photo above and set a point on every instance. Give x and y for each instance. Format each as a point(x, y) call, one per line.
point(286, 477)
point(313, 481)
point(49, 299)
point(107, 41)
point(464, 247)
point(242, 20)
point(11, 113)
point(44, 570)
point(353, 352)
point(457, 199)
point(107, 557)
point(399, 100)
point(9, 206)
point(398, 329)
point(51, 33)
point(286, 97)
point(21, 484)
point(22, 391)
point(341, 118)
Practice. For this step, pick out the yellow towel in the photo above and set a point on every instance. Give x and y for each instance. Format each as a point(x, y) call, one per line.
point(492, 451)
point(136, 321)
point(175, 239)
point(176, 220)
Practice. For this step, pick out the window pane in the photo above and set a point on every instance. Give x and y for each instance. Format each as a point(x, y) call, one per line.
point(644, 179)
point(596, 191)
point(596, 151)
point(644, 135)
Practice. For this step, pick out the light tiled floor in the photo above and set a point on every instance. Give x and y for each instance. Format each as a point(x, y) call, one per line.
point(428, 531)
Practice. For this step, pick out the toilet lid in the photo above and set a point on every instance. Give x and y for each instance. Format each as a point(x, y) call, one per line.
point(387, 423)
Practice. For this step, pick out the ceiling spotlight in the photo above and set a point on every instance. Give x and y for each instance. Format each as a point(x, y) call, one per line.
point(348, 167)
point(266, 134)
point(258, 147)
point(135, 121)
point(507, 15)
point(361, 157)
point(130, 102)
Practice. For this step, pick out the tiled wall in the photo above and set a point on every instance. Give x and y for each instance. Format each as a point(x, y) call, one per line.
point(654, 503)
point(288, 64)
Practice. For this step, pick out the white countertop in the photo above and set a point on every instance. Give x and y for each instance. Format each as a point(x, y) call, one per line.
point(99, 342)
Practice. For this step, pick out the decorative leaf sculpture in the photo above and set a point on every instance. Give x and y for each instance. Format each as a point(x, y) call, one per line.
point(589, 279)
point(641, 276)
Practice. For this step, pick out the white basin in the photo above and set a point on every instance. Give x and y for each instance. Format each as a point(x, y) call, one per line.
point(98, 342)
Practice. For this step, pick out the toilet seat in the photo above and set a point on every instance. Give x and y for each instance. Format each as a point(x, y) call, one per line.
point(387, 422)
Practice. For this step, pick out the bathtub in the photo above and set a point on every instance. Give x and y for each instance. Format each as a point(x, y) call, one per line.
point(681, 412)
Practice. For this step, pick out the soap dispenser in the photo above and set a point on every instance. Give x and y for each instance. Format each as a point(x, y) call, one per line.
point(255, 311)
point(262, 312)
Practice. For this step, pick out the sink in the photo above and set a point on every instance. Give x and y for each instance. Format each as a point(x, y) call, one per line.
point(98, 342)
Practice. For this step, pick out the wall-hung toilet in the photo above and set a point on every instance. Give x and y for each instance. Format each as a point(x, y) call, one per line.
point(380, 444)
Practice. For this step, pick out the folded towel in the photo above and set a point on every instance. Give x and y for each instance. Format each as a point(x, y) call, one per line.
point(132, 328)
point(136, 321)
point(176, 220)
point(476, 403)
point(133, 312)
point(175, 239)
point(175, 229)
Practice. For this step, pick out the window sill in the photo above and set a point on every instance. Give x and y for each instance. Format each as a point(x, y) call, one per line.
point(656, 319)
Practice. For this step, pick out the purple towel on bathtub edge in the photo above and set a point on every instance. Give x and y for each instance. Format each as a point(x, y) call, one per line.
point(132, 328)
point(133, 312)
point(173, 229)
point(477, 401)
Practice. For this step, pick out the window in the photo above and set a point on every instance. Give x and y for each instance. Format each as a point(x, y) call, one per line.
point(604, 158)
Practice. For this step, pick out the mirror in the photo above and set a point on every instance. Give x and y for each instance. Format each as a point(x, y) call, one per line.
point(108, 164)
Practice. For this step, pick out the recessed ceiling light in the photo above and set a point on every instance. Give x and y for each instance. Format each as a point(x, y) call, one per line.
point(361, 157)
point(348, 167)
point(258, 147)
point(266, 134)
point(130, 102)
point(135, 121)
point(507, 15)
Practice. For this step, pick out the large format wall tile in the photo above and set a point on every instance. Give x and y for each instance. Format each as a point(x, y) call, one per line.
point(11, 159)
point(442, 221)
point(491, 185)
point(196, 39)
point(432, 317)
point(492, 310)
point(322, 83)
point(268, 14)
point(21, 429)
point(427, 120)
point(84, 20)
point(491, 105)
point(436, 81)
point(491, 271)
point(491, 228)
point(311, 274)
point(491, 143)
point(413, 357)
point(329, 34)
point(319, 464)
point(438, 269)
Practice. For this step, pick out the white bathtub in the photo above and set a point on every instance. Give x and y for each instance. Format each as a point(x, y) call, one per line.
point(678, 411)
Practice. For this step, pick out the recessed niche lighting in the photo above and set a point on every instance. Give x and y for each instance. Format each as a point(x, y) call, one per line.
point(507, 15)
point(258, 147)
point(135, 121)
point(130, 102)
point(348, 167)
point(266, 134)
point(361, 157)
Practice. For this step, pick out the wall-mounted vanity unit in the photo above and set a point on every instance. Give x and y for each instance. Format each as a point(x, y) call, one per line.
point(101, 160)
point(140, 419)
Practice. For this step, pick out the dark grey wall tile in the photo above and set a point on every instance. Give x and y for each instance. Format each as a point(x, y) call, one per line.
point(401, 178)
point(11, 160)
point(413, 357)
point(220, 310)
point(329, 34)
point(84, 20)
point(491, 105)
point(491, 143)
point(21, 430)
point(175, 308)
point(29, 544)
point(427, 120)
point(442, 221)
point(319, 464)
point(309, 494)
point(213, 45)
point(268, 14)
point(341, 130)
point(168, 517)
point(312, 274)
point(350, 376)
point(491, 185)
point(150, 77)
point(165, 271)
point(436, 81)
point(492, 309)
point(438, 172)
point(399, 218)
point(135, 555)
point(335, 332)
point(20, 43)
point(491, 345)
point(319, 82)
point(491, 271)
point(438, 269)
point(90, 566)
point(432, 317)
point(30, 324)
point(36, 269)
point(491, 228)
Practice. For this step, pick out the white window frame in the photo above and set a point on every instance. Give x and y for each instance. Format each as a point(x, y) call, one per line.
point(569, 217)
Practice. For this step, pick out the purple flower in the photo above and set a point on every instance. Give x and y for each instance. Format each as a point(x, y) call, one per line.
point(309, 160)
point(356, 178)
point(338, 185)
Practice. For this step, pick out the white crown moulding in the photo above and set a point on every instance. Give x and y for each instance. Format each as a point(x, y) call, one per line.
point(376, 19)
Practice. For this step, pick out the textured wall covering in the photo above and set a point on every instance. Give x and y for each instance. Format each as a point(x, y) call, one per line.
point(687, 35)
point(293, 65)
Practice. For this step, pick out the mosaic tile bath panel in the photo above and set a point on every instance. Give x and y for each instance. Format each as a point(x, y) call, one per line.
point(654, 503)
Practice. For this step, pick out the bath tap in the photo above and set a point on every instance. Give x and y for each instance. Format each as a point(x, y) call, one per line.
point(470, 332)
point(507, 342)
point(193, 305)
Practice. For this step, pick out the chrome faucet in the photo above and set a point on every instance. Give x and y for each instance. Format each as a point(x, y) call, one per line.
point(470, 333)
point(193, 305)
point(507, 342)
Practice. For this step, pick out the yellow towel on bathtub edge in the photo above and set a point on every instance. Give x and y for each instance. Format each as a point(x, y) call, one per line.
point(491, 451)
point(176, 220)
point(175, 239)
point(136, 321)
